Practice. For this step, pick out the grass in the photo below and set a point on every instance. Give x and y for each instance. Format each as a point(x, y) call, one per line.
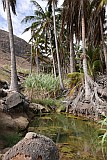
point(10, 139)
point(41, 85)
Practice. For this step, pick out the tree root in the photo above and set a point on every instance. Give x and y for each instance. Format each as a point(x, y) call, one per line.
point(97, 101)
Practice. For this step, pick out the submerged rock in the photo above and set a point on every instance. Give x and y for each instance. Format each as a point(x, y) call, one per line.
point(33, 147)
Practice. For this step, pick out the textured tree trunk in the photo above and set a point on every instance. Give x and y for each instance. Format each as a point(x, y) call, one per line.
point(87, 89)
point(56, 43)
point(31, 56)
point(103, 44)
point(72, 55)
point(37, 61)
point(14, 79)
point(53, 60)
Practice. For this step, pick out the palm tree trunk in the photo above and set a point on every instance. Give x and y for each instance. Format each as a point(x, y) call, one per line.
point(56, 43)
point(72, 55)
point(52, 54)
point(103, 44)
point(14, 79)
point(87, 89)
point(37, 61)
point(31, 56)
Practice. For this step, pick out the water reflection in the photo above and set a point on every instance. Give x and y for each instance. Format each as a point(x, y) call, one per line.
point(76, 139)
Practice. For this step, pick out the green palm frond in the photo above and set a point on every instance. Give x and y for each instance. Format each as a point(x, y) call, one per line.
point(37, 5)
point(27, 29)
point(28, 19)
point(12, 4)
point(39, 14)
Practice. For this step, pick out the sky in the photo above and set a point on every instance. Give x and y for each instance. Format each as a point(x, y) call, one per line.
point(23, 8)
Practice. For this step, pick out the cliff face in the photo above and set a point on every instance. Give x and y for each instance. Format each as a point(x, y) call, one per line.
point(22, 48)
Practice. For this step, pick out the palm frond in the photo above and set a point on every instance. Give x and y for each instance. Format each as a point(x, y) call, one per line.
point(37, 5)
point(28, 19)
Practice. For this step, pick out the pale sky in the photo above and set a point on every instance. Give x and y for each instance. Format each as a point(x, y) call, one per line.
point(23, 8)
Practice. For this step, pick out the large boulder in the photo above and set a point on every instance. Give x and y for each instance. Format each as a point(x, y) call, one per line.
point(33, 147)
point(12, 100)
point(15, 123)
point(22, 122)
point(7, 122)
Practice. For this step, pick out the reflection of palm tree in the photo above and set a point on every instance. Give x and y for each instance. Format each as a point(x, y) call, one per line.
point(7, 4)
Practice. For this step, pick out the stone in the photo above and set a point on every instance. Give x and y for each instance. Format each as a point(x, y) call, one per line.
point(13, 99)
point(33, 147)
point(3, 93)
point(3, 84)
point(22, 122)
point(38, 107)
point(7, 122)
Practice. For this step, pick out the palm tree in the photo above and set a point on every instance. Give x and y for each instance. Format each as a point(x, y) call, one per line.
point(76, 20)
point(87, 89)
point(54, 3)
point(67, 20)
point(41, 27)
point(6, 5)
point(97, 30)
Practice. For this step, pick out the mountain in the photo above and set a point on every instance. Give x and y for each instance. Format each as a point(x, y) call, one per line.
point(22, 48)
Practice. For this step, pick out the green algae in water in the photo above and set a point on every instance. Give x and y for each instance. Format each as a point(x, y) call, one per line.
point(76, 139)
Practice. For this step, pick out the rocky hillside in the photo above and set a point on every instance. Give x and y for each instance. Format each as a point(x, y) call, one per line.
point(21, 47)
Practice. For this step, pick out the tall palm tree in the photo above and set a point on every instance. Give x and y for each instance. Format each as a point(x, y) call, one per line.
point(6, 5)
point(97, 27)
point(41, 26)
point(54, 3)
point(68, 19)
point(77, 19)
point(87, 89)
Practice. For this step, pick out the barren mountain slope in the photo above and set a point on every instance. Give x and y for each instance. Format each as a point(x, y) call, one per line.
point(21, 47)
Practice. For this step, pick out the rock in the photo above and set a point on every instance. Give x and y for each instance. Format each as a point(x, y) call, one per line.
point(7, 122)
point(38, 107)
point(3, 84)
point(33, 147)
point(3, 93)
point(15, 122)
point(13, 99)
point(22, 122)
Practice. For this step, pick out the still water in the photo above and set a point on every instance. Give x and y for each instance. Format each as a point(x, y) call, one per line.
point(77, 139)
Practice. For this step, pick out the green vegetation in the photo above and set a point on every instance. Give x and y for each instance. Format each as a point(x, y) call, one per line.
point(41, 86)
point(10, 139)
point(103, 136)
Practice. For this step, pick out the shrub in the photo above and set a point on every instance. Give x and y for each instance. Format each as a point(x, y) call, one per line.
point(42, 85)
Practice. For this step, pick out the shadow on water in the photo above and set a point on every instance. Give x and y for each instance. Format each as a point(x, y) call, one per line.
point(76, 139)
